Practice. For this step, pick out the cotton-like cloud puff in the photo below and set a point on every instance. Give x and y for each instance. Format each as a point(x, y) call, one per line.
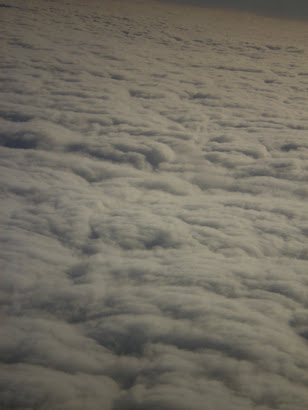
point(154, 216)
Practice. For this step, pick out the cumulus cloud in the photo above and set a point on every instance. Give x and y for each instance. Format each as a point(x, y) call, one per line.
point(154, 218)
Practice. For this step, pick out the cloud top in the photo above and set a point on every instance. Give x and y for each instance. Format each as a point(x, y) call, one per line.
point(153, 229)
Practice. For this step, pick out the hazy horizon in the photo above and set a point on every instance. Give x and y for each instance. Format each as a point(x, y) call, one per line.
point(276, 8)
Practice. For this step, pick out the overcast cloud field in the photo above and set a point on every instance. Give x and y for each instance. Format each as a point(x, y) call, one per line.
point(154, 207)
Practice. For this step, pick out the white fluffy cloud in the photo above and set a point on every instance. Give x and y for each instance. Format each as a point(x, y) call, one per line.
point(154, 217)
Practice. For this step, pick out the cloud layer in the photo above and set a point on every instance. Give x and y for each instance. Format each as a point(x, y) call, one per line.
point(154, 219)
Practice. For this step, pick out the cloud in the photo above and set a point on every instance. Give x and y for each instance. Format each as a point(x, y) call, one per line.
point(153, 219)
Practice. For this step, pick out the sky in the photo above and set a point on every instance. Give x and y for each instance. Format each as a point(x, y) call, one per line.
point(153, 207)
point(278, 8)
